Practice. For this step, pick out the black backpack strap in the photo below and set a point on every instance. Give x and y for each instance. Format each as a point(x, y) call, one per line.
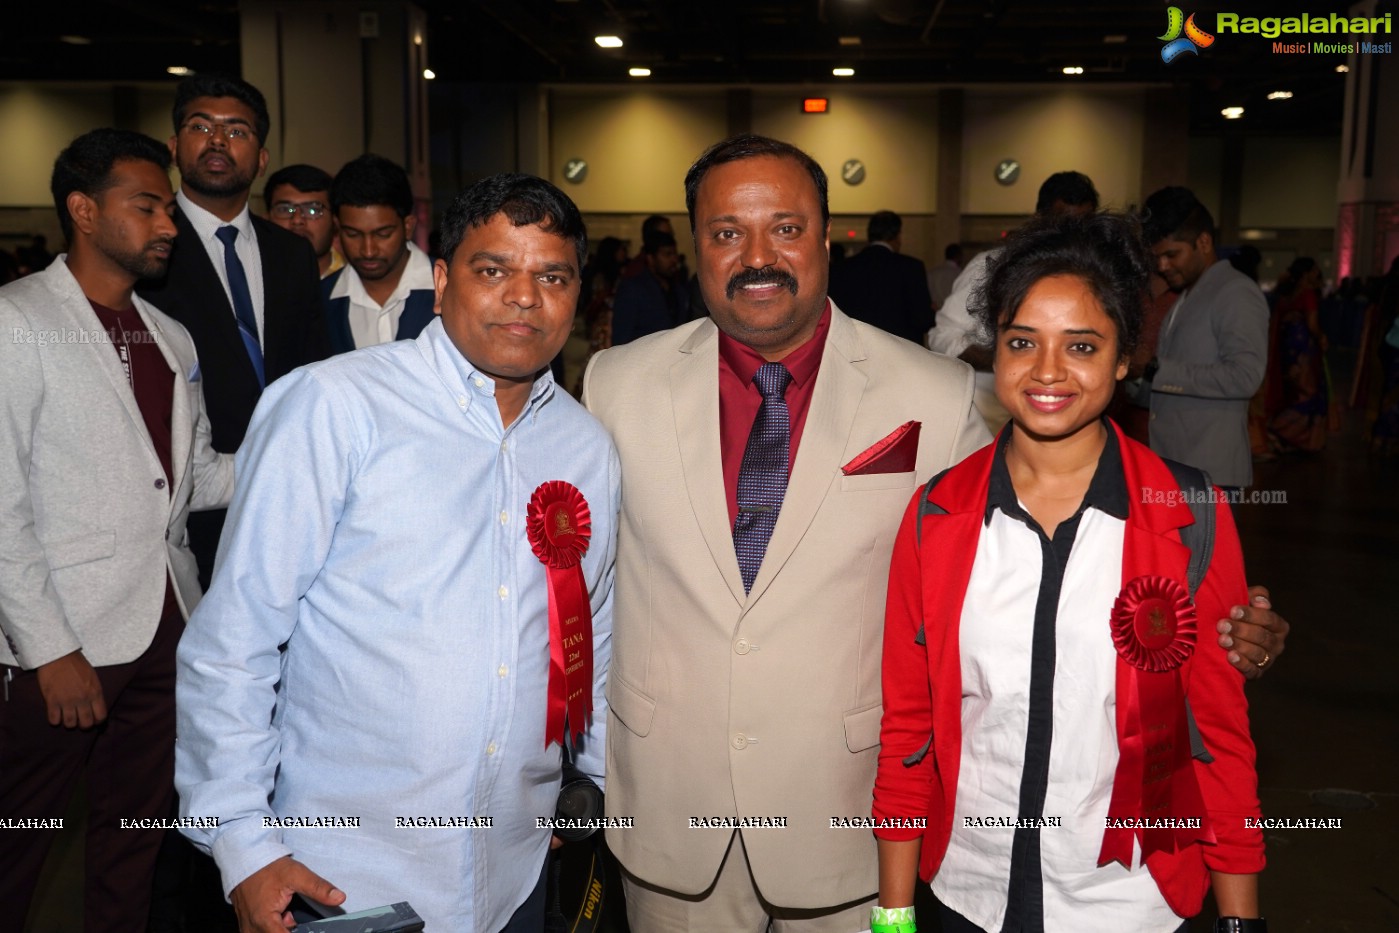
point(1199, 537)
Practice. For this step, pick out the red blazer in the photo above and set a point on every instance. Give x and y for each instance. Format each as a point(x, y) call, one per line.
point(923, 684)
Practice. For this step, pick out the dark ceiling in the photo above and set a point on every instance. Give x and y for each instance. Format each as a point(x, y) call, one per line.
point(738, 42)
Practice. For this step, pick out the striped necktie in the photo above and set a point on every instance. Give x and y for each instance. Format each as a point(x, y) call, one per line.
point(762, 477)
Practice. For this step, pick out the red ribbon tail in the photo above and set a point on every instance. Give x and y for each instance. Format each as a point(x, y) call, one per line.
point(570, 654)
point(1127, 784)
point(554, 717)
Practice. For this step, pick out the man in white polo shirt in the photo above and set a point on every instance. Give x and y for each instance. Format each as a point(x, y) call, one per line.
point(385, 291)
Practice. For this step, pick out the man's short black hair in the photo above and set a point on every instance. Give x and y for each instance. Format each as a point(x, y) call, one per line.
point(1074, 189)
point(752, 146)
point(884, 226)
point(653, 224)
point(952, 251)
point(86, 165)
point(1176, 213)
point(525, 200)
point(657, 241)
point(371, 180)
point(1104, 250)
point(214, 85)
point(304, 178)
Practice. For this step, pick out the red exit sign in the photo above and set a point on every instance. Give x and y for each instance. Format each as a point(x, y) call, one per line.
point(816, 104)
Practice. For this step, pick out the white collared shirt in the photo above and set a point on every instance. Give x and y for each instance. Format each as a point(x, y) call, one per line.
point(370, 322)
point(996, 632)
point(207, 226)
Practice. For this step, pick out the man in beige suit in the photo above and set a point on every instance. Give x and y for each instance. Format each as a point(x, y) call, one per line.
point(746, 699)
point(712, 686)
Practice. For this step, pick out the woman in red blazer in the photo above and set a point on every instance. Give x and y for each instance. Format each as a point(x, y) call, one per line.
point(1036, 762)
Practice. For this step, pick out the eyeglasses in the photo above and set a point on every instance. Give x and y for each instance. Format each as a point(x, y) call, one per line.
point(307, 209)
point(229, 131)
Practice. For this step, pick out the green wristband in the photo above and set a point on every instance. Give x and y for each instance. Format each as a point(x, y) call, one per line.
point(892, 920)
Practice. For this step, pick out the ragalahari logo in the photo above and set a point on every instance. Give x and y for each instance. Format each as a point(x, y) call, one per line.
point(1176, 44)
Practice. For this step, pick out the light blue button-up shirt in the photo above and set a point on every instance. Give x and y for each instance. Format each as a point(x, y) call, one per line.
point(375, 643)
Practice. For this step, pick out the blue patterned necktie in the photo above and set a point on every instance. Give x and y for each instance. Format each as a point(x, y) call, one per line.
point(242, 301)
point(762, 478)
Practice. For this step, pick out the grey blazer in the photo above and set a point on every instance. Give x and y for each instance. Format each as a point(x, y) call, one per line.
point(1213, 352)
point(90, 526)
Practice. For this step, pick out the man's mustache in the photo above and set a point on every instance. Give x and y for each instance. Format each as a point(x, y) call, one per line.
point(768, 276)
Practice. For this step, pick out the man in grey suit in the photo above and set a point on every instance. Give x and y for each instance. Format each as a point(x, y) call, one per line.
point(102, 407)
point(1213, 348)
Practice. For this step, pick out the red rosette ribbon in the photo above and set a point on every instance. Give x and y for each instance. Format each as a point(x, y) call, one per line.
point(1153, 624)
point(1155, 792)
point(559, 526)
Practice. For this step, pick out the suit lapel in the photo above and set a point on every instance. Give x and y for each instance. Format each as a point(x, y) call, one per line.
point(840, 385)
point(79, 310)
point(694, 394)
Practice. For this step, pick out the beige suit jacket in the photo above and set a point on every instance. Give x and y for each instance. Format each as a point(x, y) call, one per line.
point(92, 527)
point(762, 705)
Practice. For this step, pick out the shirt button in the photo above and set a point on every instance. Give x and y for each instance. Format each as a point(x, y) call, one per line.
point(504, 446)
point(742, 646)
point(490, 749)
point(503, 591)
point(503, 670)
point(479, 382)
point(504, 518)
point(160, 484)
point(740, 741)
point(461, 401)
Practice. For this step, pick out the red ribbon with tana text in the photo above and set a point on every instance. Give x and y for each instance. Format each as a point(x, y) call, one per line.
point(559, 525)
point(1153, 629)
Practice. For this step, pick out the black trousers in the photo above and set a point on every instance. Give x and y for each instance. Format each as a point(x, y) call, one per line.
point(129, 761)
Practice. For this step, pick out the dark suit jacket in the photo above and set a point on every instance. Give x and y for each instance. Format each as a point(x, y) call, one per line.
point(883, 288)
point(417, 314)
point(294, 331)
point(643, 306)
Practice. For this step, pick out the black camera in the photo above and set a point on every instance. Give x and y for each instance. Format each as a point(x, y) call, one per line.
point(579, 799)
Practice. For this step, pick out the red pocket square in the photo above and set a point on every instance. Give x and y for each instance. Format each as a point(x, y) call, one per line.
point(897, 453)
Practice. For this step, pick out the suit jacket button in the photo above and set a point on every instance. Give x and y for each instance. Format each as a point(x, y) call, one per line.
point(160, 484)
point(741, 646)
point(740, 741)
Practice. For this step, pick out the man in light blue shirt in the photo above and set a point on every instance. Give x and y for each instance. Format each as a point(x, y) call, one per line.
point(362, 694)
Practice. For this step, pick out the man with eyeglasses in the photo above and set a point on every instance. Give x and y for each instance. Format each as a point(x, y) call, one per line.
point(298, 199)
point(386, 292)
point(244, 288)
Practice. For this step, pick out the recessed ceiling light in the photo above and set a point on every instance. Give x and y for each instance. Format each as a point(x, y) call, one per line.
point(849, 40)
point(429, 74)
point(1280, 95)
point(639, 72)
point(1342, 69)
point(179, 71)
point(1232, 113)
point(75, 40)
point(1114, 40)
point(1073, 70)
point(843, 72)
point(608, 42)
